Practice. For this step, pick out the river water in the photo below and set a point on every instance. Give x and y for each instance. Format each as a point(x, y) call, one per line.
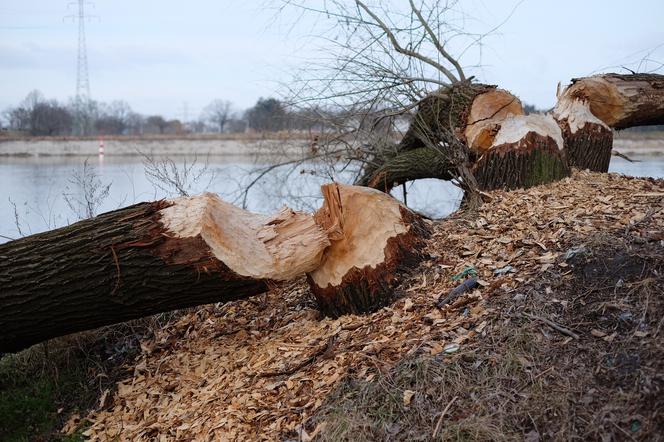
point(34, 191)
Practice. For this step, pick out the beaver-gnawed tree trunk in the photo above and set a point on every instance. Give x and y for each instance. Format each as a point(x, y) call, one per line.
point(621, 100)
point(477, 128)
point(145, 259)
point(373, 240)
point(590, 107)
point(526, 151)
point(466, 125)
point(165, 255)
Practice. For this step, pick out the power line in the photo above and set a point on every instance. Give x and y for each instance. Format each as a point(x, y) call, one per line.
point(185, 112)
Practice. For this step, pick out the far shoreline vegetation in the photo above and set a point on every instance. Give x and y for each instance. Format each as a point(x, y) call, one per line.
point(37, 118)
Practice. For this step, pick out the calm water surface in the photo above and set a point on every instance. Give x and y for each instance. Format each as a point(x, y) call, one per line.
point(32, 189)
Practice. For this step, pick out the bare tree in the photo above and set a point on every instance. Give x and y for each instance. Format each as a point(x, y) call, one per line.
point(386, 61)
point(267, 115)
point(157, 121)
point(85, 193)
point(382, 60)
point(173, 179)
point(40, 116)
point(218, 112)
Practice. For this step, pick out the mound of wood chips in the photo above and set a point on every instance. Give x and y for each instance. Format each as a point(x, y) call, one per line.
point(258, 369)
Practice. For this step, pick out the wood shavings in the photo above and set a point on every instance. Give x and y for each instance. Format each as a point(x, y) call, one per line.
point(258, 369)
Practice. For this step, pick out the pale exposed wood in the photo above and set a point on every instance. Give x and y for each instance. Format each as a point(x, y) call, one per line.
point(576, 112)
point(515, 128)
point(620, 101)
point(487, 111)
point(279, 247)
point(588, 140)
point(359, 222)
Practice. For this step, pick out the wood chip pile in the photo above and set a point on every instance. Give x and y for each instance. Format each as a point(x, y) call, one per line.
point(257, 369)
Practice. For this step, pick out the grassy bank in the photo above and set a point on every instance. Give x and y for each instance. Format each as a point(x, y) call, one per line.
point(50, 384)
point(575, 355)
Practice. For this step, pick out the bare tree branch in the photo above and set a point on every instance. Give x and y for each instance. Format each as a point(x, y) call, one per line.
point(436, 42)
point(401, 50)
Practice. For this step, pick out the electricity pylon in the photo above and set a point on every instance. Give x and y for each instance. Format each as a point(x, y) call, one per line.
point(82, 103)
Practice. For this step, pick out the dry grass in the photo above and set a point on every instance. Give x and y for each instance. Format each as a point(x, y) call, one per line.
point(44, 385)
point(526, 380)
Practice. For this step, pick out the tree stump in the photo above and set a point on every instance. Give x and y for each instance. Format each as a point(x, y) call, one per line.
point(373, 239)
point(527, 151)
point(590, 107)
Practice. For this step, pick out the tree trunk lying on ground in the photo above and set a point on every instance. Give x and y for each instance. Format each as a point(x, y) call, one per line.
point(165, 255)
point(484, 129)
point(145, 259)
point(590, 107)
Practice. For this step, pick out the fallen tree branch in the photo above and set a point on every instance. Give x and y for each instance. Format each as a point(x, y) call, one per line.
point(624, 157)
point(323, 349)
point(553, 325)
point(440, 419)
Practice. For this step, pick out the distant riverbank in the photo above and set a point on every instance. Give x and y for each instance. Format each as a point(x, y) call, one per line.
point(639, 143)
point(628, 143)
point(154, 146)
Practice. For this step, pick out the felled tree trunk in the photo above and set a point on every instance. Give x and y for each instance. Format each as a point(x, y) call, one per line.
point(449, 111)
point(423, 162)
point(373, 239)
point(620, 100)
point(478, 128)
point(588, 141)
point(473, 127)
point(146, 259)
point(590, 107)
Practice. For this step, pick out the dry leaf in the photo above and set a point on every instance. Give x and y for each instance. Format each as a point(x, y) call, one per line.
point(408, 396)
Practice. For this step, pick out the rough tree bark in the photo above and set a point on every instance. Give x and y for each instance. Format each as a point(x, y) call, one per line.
point(479, 128)
point(526, 151)
point(166, 255)
point(146, 259)
point(374, 238)
point(621, 100)
point(590, 107)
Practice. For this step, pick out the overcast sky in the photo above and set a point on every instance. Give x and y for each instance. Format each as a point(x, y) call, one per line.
point(159, 55)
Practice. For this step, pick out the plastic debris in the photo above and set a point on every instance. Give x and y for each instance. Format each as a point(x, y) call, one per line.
point(503, 270)
point(451, 348)
point(467, 271)
point(580, 250)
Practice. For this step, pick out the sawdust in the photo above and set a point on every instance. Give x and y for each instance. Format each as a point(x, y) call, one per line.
point(258, 369)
